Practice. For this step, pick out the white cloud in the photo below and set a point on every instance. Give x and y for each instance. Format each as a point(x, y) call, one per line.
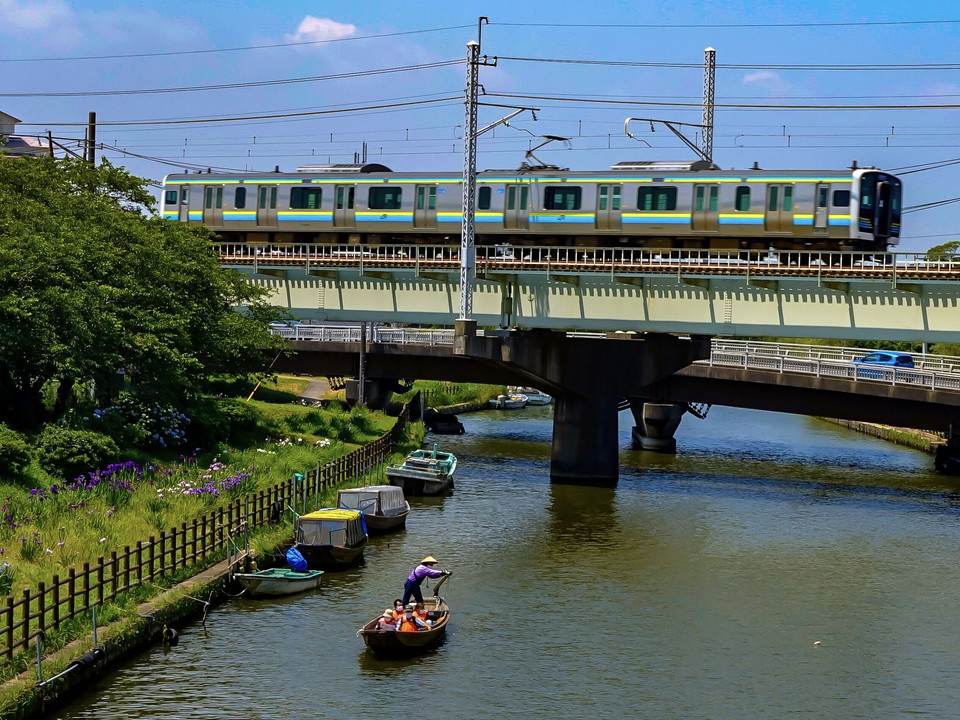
point(768, 80)
point(313, 29)
point(32, 15)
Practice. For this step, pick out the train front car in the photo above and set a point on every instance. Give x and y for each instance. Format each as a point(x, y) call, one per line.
point(876, 205)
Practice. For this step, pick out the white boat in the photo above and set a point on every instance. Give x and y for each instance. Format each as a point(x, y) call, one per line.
point(278, 581)
point(534, 396)
point(383, 506)
point(513, 401)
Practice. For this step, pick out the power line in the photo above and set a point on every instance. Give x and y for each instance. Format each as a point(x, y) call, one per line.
point(930, 205)
point(239, 118)
point(735, 66)
point(235, 49)
point(737, 106)
point(231, 86)
point(739, 26)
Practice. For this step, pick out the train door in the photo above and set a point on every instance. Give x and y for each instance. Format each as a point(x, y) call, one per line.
point(821, 212)
point(267, 205)
point(213, 205)
point(343, 206)
point(706, 211)
point(184, 214)
point(882, 224)
point(425, 207)
point(608, 207)
point(515, 212)
point(779, 212)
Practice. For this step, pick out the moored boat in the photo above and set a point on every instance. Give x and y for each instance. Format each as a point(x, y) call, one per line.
point(442, 423)
point(331, 538)
point(534, 396)
point(396, 643)
point(513, 401)
point(424, 472)
point(278, 581)
point(383, 506)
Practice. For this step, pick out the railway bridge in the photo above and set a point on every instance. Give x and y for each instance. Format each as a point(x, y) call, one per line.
point(666, 305)
point(800, 379)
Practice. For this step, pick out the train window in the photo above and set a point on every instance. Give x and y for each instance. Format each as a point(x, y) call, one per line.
point(305, 198)
point(483, 198)
point(615, 197)
point(822, 194)
point(184, 196)
point(240, 198)
point(866, 195)
point(773, 198)
point(170, 198)
point(272, 196)
point(657, 199)
point(385, 198)
point(841, 198)
point(208, 198)
point(788, 198)
point(743, 198)
point(561, 198)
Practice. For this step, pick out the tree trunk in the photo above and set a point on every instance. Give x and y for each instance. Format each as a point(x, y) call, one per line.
point(64, 393)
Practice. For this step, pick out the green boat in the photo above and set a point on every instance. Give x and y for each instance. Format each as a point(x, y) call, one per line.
point(278, 581)
point(424, 472)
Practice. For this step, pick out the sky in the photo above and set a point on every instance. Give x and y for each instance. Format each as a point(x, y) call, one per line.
point(316, 82)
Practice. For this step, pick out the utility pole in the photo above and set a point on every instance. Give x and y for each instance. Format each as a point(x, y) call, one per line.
point(91, 138)
point(468, 253)
point(709, 91)
point(362, 379)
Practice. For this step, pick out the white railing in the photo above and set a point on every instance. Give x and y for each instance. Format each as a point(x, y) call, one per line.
point(934, 372)
point(773, 263)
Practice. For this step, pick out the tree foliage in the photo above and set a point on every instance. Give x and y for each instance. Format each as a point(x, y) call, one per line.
point(93, 282)
point(943, 251)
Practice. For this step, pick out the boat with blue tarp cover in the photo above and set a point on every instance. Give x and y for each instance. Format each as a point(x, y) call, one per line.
point(331, 538)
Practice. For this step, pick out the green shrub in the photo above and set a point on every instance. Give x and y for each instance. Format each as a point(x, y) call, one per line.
point(14, 451)
point(209, 425)
point(244, 421)
point(68, 453)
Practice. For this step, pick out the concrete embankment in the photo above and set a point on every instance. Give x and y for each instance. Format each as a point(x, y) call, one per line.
point(917, 439)
point(184, 602)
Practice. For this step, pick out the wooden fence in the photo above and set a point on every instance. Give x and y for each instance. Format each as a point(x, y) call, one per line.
point(62, 598)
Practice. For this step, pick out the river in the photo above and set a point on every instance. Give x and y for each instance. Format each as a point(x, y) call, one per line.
point(775, 567)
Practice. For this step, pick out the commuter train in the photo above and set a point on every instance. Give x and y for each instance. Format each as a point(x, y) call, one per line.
point(635, 204)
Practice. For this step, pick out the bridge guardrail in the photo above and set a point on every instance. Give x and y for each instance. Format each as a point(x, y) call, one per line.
point(934, 372)
point(809, 264)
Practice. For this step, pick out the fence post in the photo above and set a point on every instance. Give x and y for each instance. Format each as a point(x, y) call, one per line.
point(100, 580)
point(193, 541)
point(183, 545)
point(203, 536)
point(71, 592)
point(139, 561)
point(163, 552)
point(9, 627)
point(126, 567)
point(25, 634)
point(173, 549)
point(42, 606)
point(56, 601)
point(113, 573)
point(86, 586)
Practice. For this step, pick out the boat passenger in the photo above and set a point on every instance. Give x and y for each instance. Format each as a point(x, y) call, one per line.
point(411, 588)
point(411, 623)
point(421, 612)
point(397, 609)
point(387, 621)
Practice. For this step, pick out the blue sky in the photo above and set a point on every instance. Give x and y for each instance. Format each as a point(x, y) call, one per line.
point(296, 39)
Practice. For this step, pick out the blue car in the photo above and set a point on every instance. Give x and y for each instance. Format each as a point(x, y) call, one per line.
point(886, 359)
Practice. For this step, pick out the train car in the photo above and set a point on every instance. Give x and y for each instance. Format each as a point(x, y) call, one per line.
point(634, 204)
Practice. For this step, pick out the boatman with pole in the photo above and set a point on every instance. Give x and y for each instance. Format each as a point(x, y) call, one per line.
point(411, 588)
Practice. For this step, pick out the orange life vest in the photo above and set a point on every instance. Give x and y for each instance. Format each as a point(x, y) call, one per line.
point(407, 625)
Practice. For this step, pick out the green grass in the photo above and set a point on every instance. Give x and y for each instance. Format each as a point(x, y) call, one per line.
point(441, 394)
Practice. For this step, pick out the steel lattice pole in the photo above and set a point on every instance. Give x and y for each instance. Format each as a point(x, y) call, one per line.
point(709, 90)
point(468, 259)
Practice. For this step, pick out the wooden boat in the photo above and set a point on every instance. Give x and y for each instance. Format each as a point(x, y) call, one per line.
point(383, 506)
point(278, 581)
point(331, 538)
point(392, 643)
point(424, 472)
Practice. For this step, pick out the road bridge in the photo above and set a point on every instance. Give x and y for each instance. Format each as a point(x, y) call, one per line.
point(809, 380)
point(842, 295)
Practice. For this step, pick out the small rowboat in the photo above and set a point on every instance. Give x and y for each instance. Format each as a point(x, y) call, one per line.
point(383, 506)
point(424, 472)
point(278, 581)
point(393, 643)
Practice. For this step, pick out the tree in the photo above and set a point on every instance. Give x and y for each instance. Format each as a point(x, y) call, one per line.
point(93, 282)
point(944, 251)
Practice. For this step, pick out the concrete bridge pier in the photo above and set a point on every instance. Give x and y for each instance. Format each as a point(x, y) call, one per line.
point(656, 424)
point(947, 457)
point(377, 392)
point(587, 377)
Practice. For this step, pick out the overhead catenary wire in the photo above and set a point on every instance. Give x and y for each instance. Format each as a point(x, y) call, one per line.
point(233, 86)
point(206, 51)
point(842, 67)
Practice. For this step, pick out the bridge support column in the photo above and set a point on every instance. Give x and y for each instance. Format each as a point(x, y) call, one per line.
point(376, 393)
point(947, 458)
point(656, 424)
point(587, 377)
